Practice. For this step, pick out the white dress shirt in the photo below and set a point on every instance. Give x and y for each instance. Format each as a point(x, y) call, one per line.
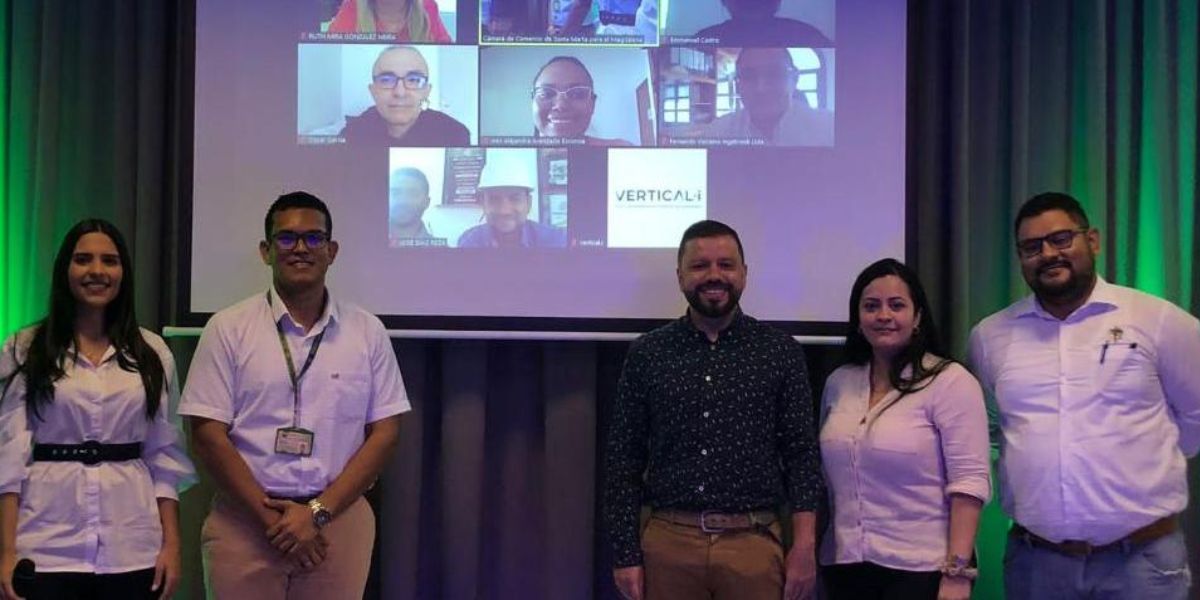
point(891, 469)
point(1096, 411)
point(799, 126)
point(239, 376)
point(90, 519)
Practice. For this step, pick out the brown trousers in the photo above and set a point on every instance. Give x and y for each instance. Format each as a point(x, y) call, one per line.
point(683, 562)
point(239, 562)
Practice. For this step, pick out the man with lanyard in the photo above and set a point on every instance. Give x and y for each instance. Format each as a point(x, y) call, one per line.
point(293, 400)
point(713, 428)
point(1098, 397)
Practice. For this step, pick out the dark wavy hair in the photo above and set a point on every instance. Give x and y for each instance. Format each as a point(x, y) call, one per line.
point(925, 338)
point(53, 335)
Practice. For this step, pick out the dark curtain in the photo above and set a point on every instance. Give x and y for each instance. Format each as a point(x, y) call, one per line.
point(493, 493)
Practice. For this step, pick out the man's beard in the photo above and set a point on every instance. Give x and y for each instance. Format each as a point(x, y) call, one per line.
point(1076, 286)
point(710, 310)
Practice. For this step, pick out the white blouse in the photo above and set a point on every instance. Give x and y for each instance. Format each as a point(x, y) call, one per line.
point(95, 519)
point(891, 469)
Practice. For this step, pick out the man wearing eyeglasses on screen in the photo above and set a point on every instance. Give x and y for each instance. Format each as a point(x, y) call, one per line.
point(1097, 391)
point(400, 86)
point(293, 401)
point(771, 112)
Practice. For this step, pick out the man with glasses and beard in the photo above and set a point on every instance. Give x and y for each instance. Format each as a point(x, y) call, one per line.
point(713, 429)
point(1098, 398)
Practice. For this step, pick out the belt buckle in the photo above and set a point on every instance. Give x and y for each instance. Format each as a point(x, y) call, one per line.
point(1080, 548)
point(704, 522)
point(90, 453)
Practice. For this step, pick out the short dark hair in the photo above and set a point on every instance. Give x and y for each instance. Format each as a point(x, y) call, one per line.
point(708, 229)
point(296, 200)
point(413, 172)
point(1048, 201)
point(566, 59)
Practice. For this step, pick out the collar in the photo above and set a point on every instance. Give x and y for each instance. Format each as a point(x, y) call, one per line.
point(279, 310)
point(736, 326)
point(1102, 299)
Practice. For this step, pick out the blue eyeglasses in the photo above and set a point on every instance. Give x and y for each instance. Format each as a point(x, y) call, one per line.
point(287, 240)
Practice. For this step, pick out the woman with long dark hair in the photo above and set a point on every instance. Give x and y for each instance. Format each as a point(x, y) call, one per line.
point(905, 450)
point(90, 464)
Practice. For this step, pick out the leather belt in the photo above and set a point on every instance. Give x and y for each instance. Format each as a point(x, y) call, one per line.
point(296, 499)
point(711, 521)
point(1079, 548)
point(88, 453)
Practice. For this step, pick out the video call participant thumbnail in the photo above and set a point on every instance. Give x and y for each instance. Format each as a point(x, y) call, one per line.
point(564, 100)
point(756, 23)
point(400, 86)
point(506, 196)
point(410, 20)
point(770, 111)
point(572, 18)
point(629, 18)
point(408, 199)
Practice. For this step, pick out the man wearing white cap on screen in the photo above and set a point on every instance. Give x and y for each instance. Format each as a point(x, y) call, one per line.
point(506, 193)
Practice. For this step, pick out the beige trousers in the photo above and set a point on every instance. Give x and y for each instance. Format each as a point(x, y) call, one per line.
point(240, 563)
point(683, 562)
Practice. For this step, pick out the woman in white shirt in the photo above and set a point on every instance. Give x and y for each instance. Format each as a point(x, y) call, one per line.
point(905, 451)
point(90, 464)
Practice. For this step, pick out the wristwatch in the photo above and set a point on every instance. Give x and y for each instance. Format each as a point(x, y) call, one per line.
point(321, 515)
point(959, 567)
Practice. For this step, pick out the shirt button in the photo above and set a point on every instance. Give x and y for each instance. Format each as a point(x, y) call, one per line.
point(706, 414)
point(708, 378)
point(712, 346)
point(700, 488)
point(704, 453)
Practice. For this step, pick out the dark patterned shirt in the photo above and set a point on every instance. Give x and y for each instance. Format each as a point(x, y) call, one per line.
point(702, 425)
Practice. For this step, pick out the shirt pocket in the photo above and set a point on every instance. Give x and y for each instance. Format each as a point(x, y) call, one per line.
point(351, 393)
point(1126, 372)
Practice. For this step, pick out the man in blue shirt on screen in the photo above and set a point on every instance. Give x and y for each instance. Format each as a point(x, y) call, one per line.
point(506, 196)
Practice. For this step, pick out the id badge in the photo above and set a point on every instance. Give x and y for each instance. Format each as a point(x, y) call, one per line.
point(294, 441)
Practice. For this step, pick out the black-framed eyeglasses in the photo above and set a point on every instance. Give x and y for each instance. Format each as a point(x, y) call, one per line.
point(287, 240)
point(546, 94)
point(1061, 240)
point(412, 80)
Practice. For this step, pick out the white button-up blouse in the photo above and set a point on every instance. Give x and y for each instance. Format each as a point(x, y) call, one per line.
point(101, 518)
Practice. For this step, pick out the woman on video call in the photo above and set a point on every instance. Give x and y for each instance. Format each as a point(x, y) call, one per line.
point(564, 99)
point(411, 20)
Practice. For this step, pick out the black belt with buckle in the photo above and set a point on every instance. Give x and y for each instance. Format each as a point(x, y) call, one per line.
point(296, 499)
point(88, 453)
point(612, 18)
